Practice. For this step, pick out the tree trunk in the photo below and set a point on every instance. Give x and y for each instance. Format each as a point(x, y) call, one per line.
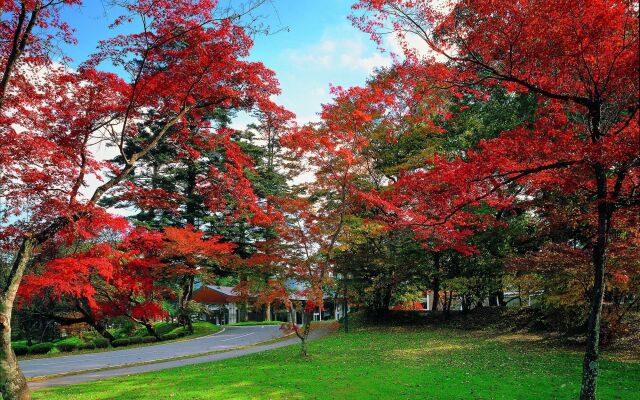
point(435, 286)
point(245, 314)
point(268, 312)
point(590, 363)
point(304, 351)
point(501, 301)
point(386, 300)
point(13, 385)
point(445, 307)
point(187, 294)
point(151, 330)
point(102, 330)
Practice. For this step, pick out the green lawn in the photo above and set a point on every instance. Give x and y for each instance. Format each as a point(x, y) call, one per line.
point(381, 363)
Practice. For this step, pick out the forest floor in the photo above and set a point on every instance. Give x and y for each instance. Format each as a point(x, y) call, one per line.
point(383, 363)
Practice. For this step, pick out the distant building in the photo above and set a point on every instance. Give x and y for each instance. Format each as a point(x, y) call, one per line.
point(226, 306)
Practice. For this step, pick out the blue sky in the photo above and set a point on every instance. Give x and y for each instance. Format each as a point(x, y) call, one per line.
point(320, 48)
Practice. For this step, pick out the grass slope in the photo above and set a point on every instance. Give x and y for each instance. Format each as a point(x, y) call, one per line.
point(380, 363)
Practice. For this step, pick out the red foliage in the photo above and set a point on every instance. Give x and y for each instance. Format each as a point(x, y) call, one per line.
point(185, 64)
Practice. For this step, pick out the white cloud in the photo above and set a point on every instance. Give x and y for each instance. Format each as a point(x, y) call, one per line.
point(333, 53)
point(415, 43)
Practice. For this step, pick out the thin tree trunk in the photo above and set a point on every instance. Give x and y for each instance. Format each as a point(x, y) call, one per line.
point(303, 334)
point(102, 330)
point(245, 315)
point(304, 351)
point(187, 294)
point(590, 362)
point(19, 43)
point(151, 330)
point(436, 281)
point(268, 312)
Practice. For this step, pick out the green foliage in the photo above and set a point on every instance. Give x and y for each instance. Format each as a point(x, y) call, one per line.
point(136, 340)
point(69, 344)
point(121, 342)
point(163, 328)
point(101, 343)
point(148, 339)
point(20, 349)
point(41, 348)
point(87, 346)
point(123, 327)
point(486, 119)
point(170, 336)
point(66, 347)
point(200, 328)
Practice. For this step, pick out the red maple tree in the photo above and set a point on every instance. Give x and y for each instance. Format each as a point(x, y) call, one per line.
point(580, 58)
point(183, 63)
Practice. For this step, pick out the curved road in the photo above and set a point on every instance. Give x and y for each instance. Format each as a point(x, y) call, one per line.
point(231, 337)
point(236, 335)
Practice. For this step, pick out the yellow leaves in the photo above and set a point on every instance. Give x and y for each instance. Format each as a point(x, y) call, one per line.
point(357, 230)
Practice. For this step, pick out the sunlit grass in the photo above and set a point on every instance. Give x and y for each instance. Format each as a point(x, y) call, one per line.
point(380, 363)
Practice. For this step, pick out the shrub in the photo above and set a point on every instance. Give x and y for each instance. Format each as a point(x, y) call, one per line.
point(20, 349)
point(135, 340)
point(121, 342)
point(41, 348)
point(148, 339)
point(100, 343)
point(182, 333)
point(164, 328)
point(67, 346)
point(169, 336)
point(87, 346)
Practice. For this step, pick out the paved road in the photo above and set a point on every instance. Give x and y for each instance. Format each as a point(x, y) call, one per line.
point(97, 375)
point(231, 337)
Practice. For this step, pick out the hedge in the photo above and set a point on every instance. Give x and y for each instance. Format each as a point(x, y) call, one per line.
point(121, 342)
point(135, 340)
point(66, 347)
point(101, 343)
point(41, 348)
point(87, 346)
point(20, 349)
point(169, 336)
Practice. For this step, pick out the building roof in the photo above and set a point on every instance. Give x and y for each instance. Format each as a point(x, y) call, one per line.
point(225, 290)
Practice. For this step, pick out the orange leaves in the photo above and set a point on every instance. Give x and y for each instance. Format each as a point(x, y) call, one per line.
point(191, 245)
point(275, 292)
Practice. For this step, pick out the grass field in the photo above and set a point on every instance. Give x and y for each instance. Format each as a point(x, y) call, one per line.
point(380, 363)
